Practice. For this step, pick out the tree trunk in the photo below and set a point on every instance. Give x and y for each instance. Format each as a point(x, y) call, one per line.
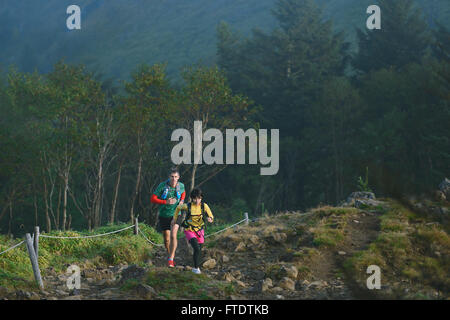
point(58, 208)
point(35, 211)
point(66, 190)
point(112, 215)
point(136, 190)
point(258, 200)
point(10, 218)
point(194, 170)
point(47, 216)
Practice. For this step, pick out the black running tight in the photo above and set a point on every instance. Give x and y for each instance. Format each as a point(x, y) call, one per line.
point(197, 251)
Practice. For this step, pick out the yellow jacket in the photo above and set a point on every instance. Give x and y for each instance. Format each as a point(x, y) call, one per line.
point(196, 215)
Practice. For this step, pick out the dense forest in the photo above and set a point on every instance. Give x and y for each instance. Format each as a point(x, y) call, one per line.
point(356, 108)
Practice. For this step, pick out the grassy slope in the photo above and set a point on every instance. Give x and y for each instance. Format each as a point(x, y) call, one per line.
point(327, 243)
point(413, 253)
point(123, 247)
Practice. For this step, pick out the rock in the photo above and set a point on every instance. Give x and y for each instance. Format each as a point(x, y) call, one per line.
point(72, 298)
point(254, 239)
point(359, 195)
point(318, 284)
point(257, 274)
point(34, 296)
point(288, 271)
point(263, 285)
point(439, 195)
point(231, 240)
point(45, 293)
point(23, 295)
point(225, 259)
point(132, 272)
point(279, 297)
point(61, 292)
point(237, 274)
point(444, 187)
point(209, 264)
point(342, 253)
point(266, 284)
point(279, 237)
point(228, 277)
point(367, 202)
point(74, 292)
point(287, 283)
point(240, 247)
point(240, 283)
point(145, 291)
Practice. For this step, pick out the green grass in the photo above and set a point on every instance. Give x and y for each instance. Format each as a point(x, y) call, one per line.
point(177, 284)
point(405, 251)
point(122, 247)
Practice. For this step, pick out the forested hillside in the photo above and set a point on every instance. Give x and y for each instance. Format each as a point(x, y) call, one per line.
point(119, 34)
point(77, 153)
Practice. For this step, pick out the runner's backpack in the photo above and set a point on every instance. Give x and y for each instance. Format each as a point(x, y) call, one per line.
point(167, 188)
point(188, 219)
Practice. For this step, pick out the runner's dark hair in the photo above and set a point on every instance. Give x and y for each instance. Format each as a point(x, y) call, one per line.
point(196, 193)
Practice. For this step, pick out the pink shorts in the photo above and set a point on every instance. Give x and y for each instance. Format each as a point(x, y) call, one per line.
point(200, 235)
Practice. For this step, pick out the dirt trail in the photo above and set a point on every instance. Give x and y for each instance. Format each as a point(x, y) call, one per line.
point(246, 269)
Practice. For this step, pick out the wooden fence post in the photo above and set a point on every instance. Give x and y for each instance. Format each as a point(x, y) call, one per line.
point(136, 226)
point(36, 241)
point(34, 261)
point(246, 218)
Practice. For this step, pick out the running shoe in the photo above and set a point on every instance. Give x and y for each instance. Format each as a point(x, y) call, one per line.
point(171, 263)
point(196, 270)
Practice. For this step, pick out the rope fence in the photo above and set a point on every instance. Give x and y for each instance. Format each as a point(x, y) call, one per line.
point(14, 246)
point(85, 237)
point(33, 242)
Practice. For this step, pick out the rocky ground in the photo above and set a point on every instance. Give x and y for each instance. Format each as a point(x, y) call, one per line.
point(286, 256)
point(240, 258)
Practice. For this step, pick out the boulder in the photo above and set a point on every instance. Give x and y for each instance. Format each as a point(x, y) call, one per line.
point(263, 285)
point(444, 187)
point(228, 277)
point(367, 202)
point(209, 264)
point(287, 284)
point(358, 195)
point(23, 295)
point(361, 195)
point(289, 272)
point(240, 247)
point(318, 284)
point(256, 274)
point(439, 195)
point(145, 291)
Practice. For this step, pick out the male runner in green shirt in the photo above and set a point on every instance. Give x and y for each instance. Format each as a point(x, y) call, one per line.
point(169, 194)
